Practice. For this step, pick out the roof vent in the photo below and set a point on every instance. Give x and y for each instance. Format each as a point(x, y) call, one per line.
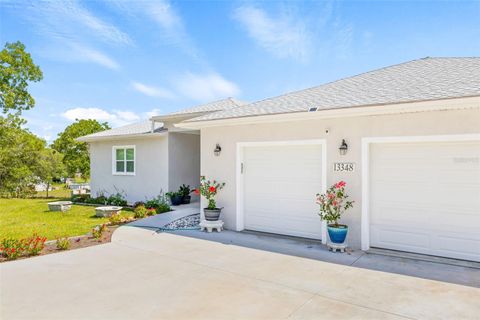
point(312, 109)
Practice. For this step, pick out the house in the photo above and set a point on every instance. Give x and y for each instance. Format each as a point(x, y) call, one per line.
point(145, 159)
point(405, 139)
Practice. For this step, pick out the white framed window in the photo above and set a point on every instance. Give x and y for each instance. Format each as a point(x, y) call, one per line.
point(123, 160)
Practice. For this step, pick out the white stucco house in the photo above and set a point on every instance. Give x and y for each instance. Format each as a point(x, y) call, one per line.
point(412, 165)
point(145, 159)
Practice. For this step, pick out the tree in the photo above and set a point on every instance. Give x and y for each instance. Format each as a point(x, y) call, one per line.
point(19, 154)
point(50, 166)
point(76, 157)
point(16, 70)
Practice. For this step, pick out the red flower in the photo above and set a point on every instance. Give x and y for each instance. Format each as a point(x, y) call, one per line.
point(197, 192)
point(340, 184)
point(331, 196)
point(212, 189)
point(13, 250)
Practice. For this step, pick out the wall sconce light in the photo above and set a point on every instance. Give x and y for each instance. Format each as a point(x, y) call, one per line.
point(217, 150)
point(343, 148)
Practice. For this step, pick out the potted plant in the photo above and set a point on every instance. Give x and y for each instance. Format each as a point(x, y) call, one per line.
point(175, 197)
point(209, 190)
point(185, 191)
point(333, 204)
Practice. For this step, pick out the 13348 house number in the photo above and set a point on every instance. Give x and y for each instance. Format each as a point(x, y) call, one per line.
point(343, 166)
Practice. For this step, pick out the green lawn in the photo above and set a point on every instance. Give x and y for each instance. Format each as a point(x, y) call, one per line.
point(60, 192)
point(19, 218)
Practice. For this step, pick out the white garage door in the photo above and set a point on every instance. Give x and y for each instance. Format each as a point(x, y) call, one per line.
point(425, 198)
point(280, 184)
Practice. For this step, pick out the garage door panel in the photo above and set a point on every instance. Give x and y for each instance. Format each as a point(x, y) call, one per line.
point(280, 184)
point(425, 198)
point(279, 206)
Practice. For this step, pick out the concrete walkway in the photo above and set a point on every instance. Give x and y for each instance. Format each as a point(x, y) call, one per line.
point(439, 269)
point(147, 275)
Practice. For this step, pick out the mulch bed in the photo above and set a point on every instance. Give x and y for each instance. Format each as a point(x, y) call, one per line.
point(75, 243)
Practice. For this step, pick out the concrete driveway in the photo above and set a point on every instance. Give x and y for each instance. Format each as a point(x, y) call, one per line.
point(145, 275)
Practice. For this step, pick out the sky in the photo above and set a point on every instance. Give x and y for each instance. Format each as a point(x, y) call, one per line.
point(124, 61)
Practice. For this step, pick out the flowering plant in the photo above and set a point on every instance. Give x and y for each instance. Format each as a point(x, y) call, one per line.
point(209, 190)
point(34, 245)
point(333, 203)
point(12, 248)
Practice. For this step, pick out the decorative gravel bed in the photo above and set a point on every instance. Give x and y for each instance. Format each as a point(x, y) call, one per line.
point(186, 223)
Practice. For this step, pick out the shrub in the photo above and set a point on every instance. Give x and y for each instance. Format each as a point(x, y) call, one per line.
point(34, 245)
point(12, 248)
point(98, 231)
point(63, 243)
point(117, 199)
point(101, 199)
point(138, 204)
point(160, 204)
point(79, 199)
point(140, 212)
point(151, 212)
point(164, 207)
point(116, 218)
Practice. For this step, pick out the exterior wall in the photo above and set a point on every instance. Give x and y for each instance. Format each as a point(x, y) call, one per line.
point(223, 168)
point(184, 159)
point(151, 168)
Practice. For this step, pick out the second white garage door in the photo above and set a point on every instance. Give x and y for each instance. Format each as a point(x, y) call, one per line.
point(280, 184)
point(425, 198)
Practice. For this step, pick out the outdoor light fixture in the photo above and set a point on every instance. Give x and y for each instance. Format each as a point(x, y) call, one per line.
point(217, 150)
point(343, 148)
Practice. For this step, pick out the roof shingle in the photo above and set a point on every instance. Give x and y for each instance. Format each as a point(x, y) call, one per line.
point(417, 80)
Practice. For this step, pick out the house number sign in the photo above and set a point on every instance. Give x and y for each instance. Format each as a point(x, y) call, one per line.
point(343, 166)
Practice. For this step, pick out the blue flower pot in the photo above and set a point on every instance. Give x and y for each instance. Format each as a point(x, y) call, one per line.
point(337, 234)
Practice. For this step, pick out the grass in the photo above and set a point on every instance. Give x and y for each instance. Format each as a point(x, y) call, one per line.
point(20, 218)
point(59, 192)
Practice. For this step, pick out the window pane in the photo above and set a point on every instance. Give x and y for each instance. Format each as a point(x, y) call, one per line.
point(120, 166)
point(130, 166)
point(129, 154)
point(120, 154)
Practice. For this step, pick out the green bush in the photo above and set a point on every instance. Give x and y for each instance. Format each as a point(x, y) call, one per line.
point(117, 199)
point(98, 231)
point(116, 218)
point(63, 243)
point(140, 212)
point(160, 204)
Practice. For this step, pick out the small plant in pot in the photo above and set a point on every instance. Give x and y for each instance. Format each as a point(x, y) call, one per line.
point(185, 191)
point(333, 204)
point(175, 198)
point(209, 190)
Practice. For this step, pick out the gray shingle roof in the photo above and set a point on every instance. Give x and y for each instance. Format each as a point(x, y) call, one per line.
point(417, 80)
point(145, 126)
point(224, 104)
point(131, 129)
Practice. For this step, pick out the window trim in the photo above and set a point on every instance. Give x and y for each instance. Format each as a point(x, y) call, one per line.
point(114, 160)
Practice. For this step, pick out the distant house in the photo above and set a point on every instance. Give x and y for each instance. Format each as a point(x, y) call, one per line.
point(405, 139)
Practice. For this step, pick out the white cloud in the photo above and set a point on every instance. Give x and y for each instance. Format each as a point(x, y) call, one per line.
point(115, 118)
point(83, 53)
point(151, 113)
point(163, 13)
point(151, 91)
point(206, 87)
point(69, 20)
point(285, 36)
